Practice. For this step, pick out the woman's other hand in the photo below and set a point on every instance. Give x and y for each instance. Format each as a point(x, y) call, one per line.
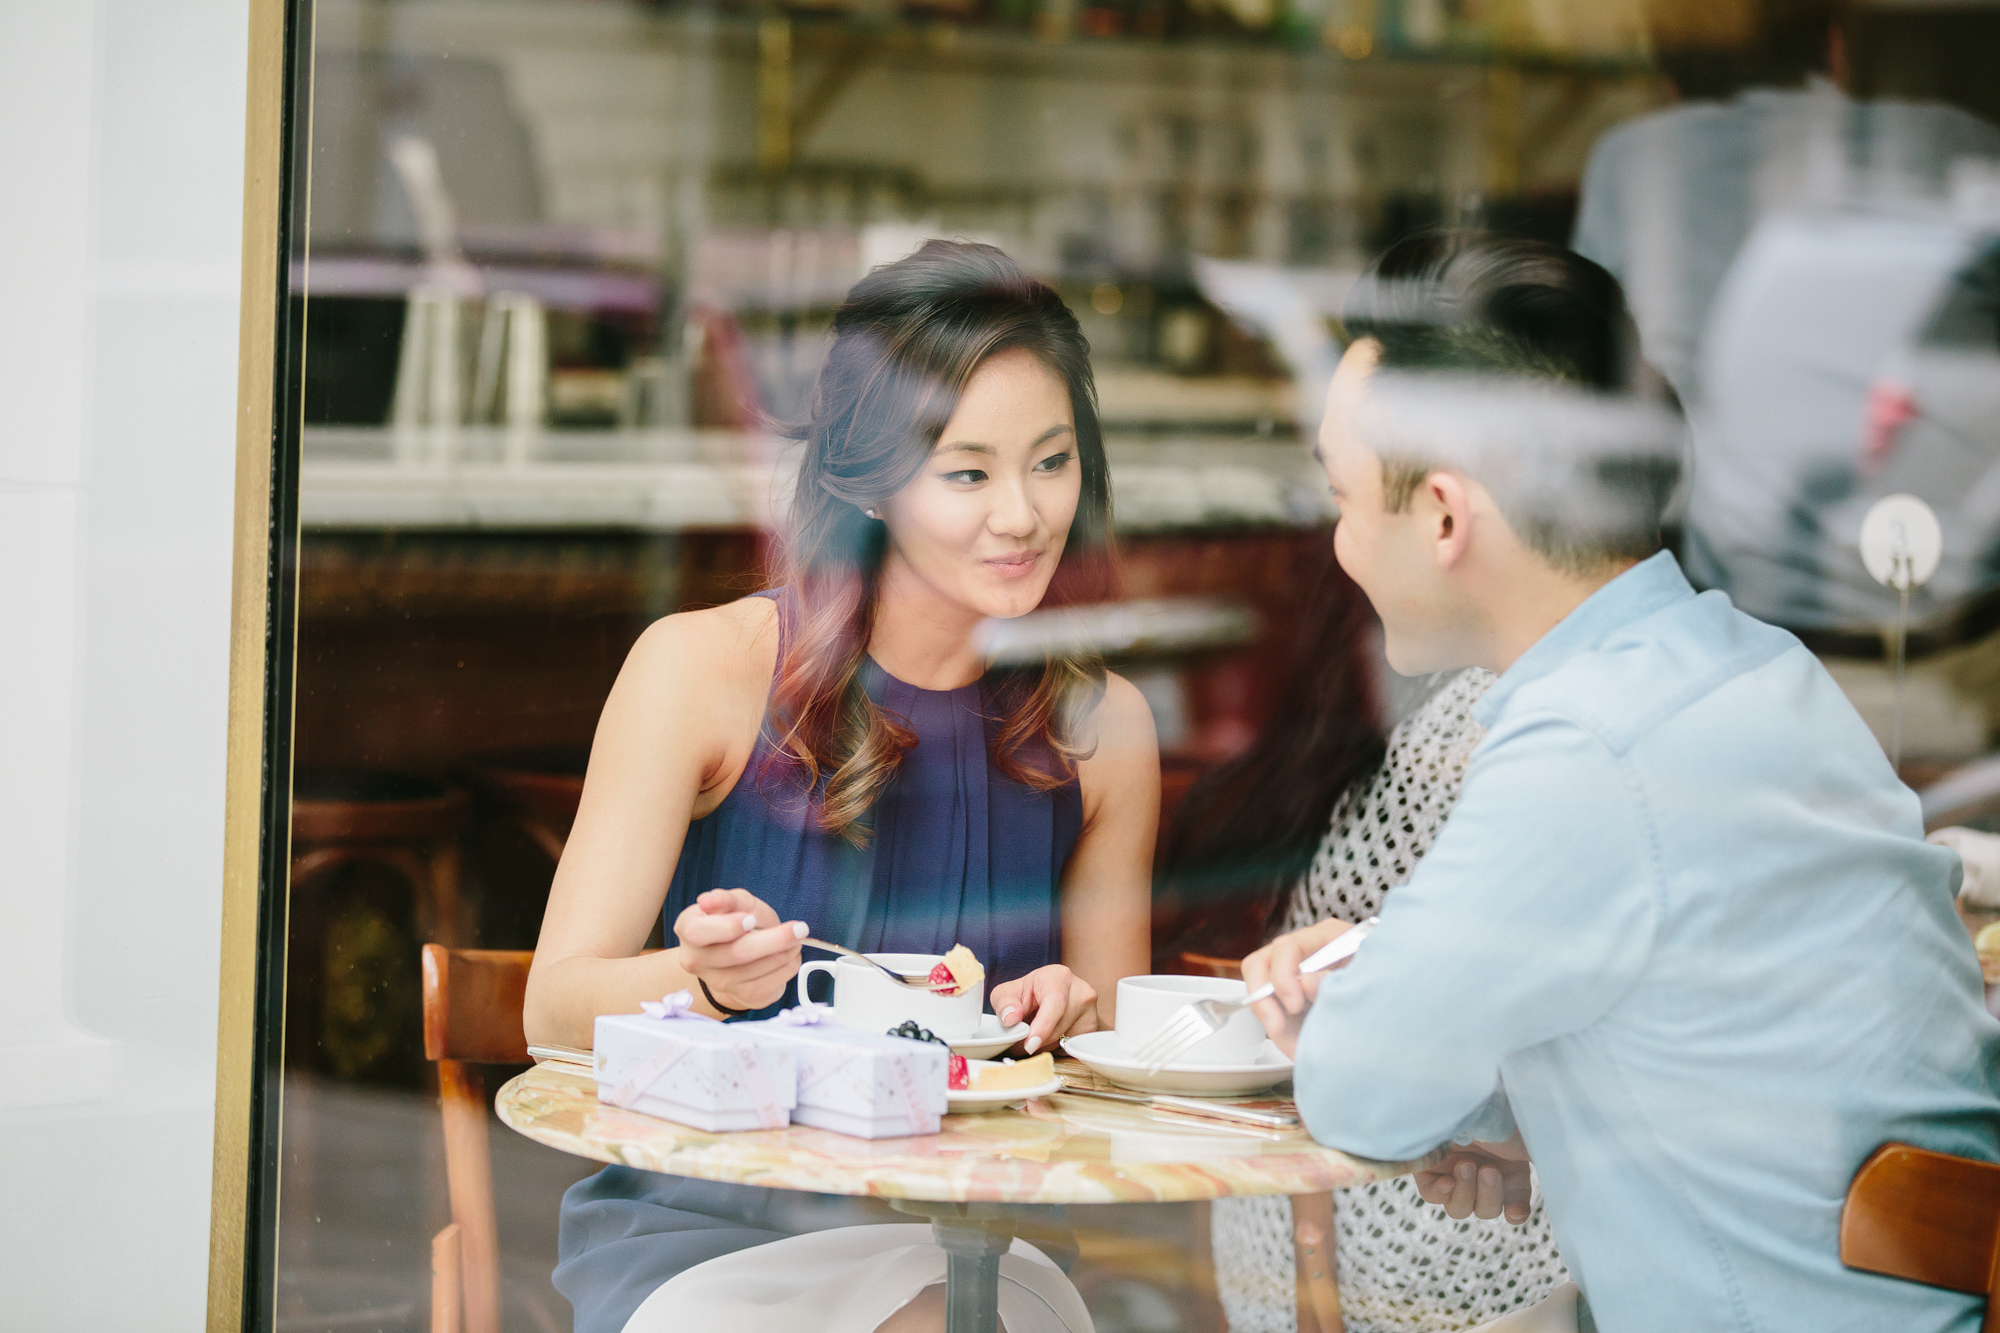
point(1278, 963)
point(1055, 1001)
point(1481, 1180)
point(732, 942)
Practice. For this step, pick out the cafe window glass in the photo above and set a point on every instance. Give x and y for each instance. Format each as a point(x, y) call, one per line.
point(561, 284)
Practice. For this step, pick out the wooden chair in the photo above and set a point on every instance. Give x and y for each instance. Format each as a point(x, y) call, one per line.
point(472, 1016)
point(1926, 1217)
point(1206, 965)
point(1312, 1214)
point(539, 792)
point(408, 825)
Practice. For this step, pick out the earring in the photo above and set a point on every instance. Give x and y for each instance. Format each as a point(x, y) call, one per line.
point(871, 513)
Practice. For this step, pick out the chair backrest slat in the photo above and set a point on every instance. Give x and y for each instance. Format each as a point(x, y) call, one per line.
point(472, 1004)
point(1205, 965)
point(1924, 1217)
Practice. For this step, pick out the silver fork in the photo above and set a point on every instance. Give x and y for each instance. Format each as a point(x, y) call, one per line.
point(911, 979)
point(1199, 1020)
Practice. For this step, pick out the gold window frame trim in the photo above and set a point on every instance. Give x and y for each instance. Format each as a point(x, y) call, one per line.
point(231, 1208)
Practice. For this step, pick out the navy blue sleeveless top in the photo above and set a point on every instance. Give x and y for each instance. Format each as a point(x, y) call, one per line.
point(960, 853)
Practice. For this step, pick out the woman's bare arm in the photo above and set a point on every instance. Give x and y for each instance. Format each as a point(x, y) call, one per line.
point(1107, 891)
point(1107, 894)
point(676, 731)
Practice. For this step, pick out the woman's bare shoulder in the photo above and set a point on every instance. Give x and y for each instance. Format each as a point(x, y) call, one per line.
point(1120, 726)
point(721, 639)
point(735, 643)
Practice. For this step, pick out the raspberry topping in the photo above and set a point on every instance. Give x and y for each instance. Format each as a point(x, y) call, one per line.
point(960, 1077)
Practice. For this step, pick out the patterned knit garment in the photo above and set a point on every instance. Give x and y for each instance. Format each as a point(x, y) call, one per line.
point(1403, 1265)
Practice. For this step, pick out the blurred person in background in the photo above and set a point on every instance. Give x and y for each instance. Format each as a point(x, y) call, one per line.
point(835, 758)
point(1680, 940)
point(1669, 199)
point(1789, 252)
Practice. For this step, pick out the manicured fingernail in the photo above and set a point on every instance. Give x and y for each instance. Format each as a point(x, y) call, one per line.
point(749, 923)
point(1007, 1016)
point(800, 930)
point(1464, 1170)
point(1032, 1045)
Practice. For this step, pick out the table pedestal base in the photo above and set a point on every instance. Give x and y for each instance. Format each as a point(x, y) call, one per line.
point(973, 1236)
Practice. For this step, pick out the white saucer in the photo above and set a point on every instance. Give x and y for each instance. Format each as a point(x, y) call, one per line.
point(1105, 1053)
point(972, 1101)
point(990, 1040)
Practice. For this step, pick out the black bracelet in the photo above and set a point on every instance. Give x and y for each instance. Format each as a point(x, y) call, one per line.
point(719, 1005)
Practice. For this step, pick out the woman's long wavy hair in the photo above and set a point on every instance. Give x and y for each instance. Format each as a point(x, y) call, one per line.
point(906, 341)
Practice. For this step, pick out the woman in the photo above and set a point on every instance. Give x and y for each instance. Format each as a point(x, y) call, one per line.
point(835, 758)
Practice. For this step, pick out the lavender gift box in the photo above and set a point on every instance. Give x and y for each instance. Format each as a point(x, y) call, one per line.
point(860, 1083)
point(681, 1066)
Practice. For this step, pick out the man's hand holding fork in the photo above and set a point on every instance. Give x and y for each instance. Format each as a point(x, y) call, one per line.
point(1474, 1180)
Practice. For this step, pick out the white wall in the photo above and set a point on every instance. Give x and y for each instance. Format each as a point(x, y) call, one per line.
point(121, 163)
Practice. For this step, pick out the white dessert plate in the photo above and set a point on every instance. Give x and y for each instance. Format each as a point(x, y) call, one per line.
point(1105, 1053)
point(990, 1040)
point(972, 1101)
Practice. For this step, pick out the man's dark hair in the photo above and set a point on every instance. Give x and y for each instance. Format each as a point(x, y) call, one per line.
point(1471, 303)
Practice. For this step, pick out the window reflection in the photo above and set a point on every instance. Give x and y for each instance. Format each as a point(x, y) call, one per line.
point(568, 275)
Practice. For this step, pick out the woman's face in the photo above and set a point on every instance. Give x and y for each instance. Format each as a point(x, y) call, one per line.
point(983, 524)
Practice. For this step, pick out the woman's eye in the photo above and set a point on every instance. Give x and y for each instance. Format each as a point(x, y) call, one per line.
point(967, 478)
point(1053, 463)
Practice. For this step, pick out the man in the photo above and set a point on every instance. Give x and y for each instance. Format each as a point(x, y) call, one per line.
point(1682, 929)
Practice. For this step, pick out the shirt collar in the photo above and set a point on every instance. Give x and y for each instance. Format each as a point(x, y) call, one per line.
point(1651, 584)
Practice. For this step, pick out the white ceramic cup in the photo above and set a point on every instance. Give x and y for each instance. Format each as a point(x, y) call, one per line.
point(1146, 1003)
point(863, 998)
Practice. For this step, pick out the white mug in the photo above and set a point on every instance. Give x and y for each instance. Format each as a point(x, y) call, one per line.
point(863, 998)
point(1146, 1003)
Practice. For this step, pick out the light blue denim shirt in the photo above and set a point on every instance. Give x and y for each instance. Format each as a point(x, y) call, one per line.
point(1684, 924)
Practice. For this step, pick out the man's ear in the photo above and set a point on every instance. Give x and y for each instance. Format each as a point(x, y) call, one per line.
point(1451, 516)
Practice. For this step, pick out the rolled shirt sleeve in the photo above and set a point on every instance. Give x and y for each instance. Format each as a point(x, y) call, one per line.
point(1531, 917)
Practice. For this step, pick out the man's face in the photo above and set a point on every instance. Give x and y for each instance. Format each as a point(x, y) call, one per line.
point(1390, 556)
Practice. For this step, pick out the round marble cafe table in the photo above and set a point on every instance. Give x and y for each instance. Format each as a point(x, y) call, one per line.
point(1061, 1149)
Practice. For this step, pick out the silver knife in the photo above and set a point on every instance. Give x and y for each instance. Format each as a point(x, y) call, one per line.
point(1192, 1106)
point(564, 1057)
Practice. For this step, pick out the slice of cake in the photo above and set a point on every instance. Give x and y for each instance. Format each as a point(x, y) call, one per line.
point(1029, 1073)
point(958, 973)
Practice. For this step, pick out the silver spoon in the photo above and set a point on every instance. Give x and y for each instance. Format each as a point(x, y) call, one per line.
point(910, 979)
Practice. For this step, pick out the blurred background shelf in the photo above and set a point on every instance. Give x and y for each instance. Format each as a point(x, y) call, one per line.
point(663, 481)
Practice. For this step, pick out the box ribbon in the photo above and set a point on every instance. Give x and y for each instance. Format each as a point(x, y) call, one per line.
point(819, 1063)
point(644, 1074)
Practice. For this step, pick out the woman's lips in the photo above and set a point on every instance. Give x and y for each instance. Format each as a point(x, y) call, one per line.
point(1014, 566)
